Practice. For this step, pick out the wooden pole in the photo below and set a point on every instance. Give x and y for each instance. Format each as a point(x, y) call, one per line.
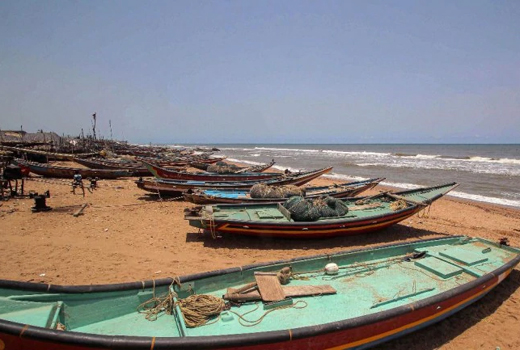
point(80, 210)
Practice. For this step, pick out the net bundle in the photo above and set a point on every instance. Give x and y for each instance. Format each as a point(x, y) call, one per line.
point(222, 168)
point(261, 190)
point(302, 209)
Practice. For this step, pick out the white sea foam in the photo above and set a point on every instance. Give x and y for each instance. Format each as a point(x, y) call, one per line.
point(362, 153)
point(493, 160)
point(249, 162)
point(344, 178)
point(288, 168)
point(288, 149)
point(486, 199)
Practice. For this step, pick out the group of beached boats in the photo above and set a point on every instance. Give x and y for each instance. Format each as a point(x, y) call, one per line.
point(348, 300)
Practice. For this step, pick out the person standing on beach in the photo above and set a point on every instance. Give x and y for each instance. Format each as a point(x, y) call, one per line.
point(77, 181)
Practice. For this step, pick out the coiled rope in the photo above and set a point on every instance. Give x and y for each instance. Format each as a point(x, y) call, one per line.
point(196, 309)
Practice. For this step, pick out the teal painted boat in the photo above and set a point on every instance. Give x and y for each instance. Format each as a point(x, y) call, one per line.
point(347, 300)
point(365, 214)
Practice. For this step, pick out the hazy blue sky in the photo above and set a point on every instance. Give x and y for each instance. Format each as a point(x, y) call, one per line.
point(264, 71)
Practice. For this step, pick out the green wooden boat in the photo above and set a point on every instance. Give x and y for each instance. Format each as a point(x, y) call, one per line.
point(365, 214)
point(347, 300)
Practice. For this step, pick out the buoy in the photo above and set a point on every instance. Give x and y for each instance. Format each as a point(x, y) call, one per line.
point(331, 269)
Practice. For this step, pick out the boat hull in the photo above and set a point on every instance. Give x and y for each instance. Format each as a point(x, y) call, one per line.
point(174, 187)
point(135, 169)
point(164, 173)
point(68, 173)
point(304, 230)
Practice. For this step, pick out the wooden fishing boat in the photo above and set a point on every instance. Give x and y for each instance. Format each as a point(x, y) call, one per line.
point(216, 196)
point(172, 174)
point(179, 161)
point(365, 214)
point(178, 187)
point(252, 169)
point(347, 300)
point(48, 170)
point(48, 155)
point(137, 168)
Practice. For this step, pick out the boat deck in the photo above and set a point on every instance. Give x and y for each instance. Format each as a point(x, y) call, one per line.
point(276, 213)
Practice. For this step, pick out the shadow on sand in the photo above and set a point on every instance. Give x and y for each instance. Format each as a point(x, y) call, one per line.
point(152, 197)
point(392, 234)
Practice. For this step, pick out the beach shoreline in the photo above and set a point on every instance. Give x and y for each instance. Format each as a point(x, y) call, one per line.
point(127, 235)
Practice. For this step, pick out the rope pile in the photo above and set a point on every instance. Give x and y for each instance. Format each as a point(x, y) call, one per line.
point(198, 308)
point(398, 205)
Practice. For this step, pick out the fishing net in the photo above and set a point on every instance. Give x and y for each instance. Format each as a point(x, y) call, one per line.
point(302, 209)
point(330, 206)
point(261, 190)
point(222, 168)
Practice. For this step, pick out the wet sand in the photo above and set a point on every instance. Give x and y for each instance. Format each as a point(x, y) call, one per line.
point(125, 234)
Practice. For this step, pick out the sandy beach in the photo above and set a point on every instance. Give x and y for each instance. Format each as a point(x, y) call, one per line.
point(125, 234)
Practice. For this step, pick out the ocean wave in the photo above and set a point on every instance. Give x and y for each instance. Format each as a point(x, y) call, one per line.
point(496, 160)
point(363, 154)
point(283, 168)
point(288, 149)
point(249, 162)
point(404, 155)
point(455, 157)
point(454, 166)
point(426, 156)
point(344, 178)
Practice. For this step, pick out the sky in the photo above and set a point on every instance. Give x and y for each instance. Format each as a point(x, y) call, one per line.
point(284, 71)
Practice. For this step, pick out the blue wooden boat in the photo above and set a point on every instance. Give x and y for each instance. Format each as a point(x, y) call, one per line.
point(347, 300)
point(221, 196)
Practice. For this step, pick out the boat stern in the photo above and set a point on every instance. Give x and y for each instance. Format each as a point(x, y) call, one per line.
point(197, 216)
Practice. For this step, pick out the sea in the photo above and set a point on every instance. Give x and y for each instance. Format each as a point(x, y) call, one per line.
point(487, 173)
